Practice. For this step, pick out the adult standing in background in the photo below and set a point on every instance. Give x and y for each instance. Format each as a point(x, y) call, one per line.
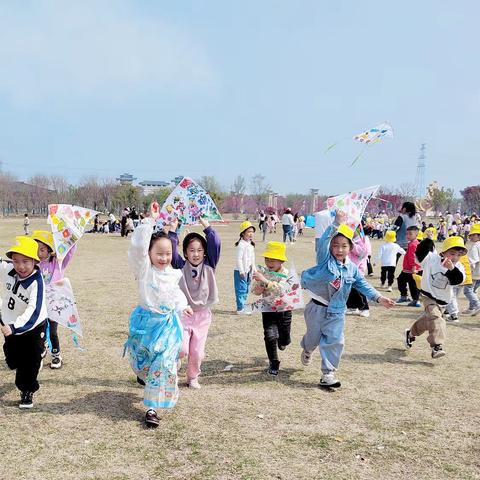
point(407, 218)
point(287, 225)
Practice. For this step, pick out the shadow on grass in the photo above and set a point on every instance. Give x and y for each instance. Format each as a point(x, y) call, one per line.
point(116, 406)
point(91, 382)
point(466, 326)
point(245, 373)
point(391, 355)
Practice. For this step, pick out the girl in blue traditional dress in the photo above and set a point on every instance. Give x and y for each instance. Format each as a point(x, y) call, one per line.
point(155, 334)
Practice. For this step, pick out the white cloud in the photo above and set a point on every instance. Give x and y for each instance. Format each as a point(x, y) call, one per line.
point(54, 49)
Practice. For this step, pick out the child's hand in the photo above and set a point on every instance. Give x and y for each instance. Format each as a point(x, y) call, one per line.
point(259, 277)
point(173, 224)
point(154, 210)
point(447, 263)
point(6, 330)
point(188, 312)
point(204, 222)
point(386, 302)
point(340, 217)
point(258, 289)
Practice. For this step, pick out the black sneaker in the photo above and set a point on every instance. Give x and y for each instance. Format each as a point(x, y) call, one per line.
point(452, 318)
point(272, 371)
point(26, 400)
point(282, 347)
point(408, 339)
point(140, 381)
point(437, 351)
point(151, 419)
point(56, 362)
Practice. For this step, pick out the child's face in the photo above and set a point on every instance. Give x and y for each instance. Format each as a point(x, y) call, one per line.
point(248, 234)
point(474, 237)
point(161, 253)
point(412, 235)
point(340, 247)
point(23, 265)
point(195, 252)
point(273, 264)
point(43, 251)
point(453, 254)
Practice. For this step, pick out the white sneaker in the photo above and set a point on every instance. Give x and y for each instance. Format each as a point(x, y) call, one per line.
point(364, 313)
point(352, 311)
point(329, 380)
point(306, 358)
point(243, 312)
point(389, 289)
point(475, 312)
point(193, 383)
point(468, 311)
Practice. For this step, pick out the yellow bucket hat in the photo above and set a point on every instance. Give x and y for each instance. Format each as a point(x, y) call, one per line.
point(245, 226)
point(346, 231)
point(418, 280)
point(275, 250)
point(45, 237)
point(420, 236)
point(25, 246)
point(454, 242)
point(390, 236)
point(475, 230)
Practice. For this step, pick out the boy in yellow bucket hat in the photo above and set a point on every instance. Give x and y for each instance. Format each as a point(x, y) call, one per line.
point(441, 271)
point(273, 281)
point(329, 283)
point(474, 260)
point(24, 315)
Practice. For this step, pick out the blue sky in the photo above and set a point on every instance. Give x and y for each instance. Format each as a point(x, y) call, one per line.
point(224, 88)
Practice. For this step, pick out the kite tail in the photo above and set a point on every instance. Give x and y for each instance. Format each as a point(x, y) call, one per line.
point(358, 156)
point(76, 342)
point(329, 148)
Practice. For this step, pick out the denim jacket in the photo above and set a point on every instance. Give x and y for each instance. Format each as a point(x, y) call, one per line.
point(329, 269)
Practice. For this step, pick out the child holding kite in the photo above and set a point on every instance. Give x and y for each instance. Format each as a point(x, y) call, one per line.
point(273, 282)
point(155, 332)
point(441, 271)
point(23, 316)
point(199, 285)
point(245, 264)
point(51, 270)
point(329, 284)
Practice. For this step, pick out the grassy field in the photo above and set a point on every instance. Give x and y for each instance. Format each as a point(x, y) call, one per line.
point(397, 415)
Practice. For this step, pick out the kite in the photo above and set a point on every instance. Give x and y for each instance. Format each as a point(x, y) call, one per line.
point(353, 204)
point(68, 223)
point(188, 202)
point(282, 299)
point(368, 138)
point(62, 308)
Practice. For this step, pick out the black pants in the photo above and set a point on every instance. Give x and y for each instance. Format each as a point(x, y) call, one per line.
point(357, 300)
point(53, 331)
point(369, 265)
point(405, 279)
point(23, 353)
point(276, 330)
point(387, 273)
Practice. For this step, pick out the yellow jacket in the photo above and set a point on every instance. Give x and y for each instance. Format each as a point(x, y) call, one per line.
point(468, 270)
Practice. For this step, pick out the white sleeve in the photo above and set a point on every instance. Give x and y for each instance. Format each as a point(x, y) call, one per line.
point(138, 252)
point(474, 255)
point(252, 260)
point(5, 267)
point(181, 302)
point(239, 259)
point(400, 250)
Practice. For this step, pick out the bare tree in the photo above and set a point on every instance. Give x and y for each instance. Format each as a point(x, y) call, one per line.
point(259, 189)
point(407, 190)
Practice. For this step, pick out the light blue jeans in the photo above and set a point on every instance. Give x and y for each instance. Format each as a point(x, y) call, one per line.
point(242, 286)
point(472, 297)
point(326, 331)
point(452, 307)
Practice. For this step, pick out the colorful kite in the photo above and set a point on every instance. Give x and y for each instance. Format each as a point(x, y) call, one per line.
point(188, 202)
point(368, 138)
point(353, 204)
point(62, 307)
point(68, 223)
point(282, 299)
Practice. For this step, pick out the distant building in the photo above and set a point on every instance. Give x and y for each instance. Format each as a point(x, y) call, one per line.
point(149, 186)
point(126, 179)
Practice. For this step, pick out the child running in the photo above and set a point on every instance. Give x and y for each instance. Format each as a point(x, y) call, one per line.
point(474, 259)
point(199, 285)
point(273, 282)
point(23, 316)
point(52, 272)
point(155, 333)
point(245, 265)
point(440, 272)
point(388, 257)
point(329, 284)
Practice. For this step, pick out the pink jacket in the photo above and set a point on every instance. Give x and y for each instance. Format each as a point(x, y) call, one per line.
point(362, 248)
point(51, 270)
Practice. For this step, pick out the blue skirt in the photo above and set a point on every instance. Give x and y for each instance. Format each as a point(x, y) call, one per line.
point(153, 347)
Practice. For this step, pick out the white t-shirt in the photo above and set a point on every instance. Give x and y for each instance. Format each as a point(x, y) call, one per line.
point(388, 253)
point(474, 259)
